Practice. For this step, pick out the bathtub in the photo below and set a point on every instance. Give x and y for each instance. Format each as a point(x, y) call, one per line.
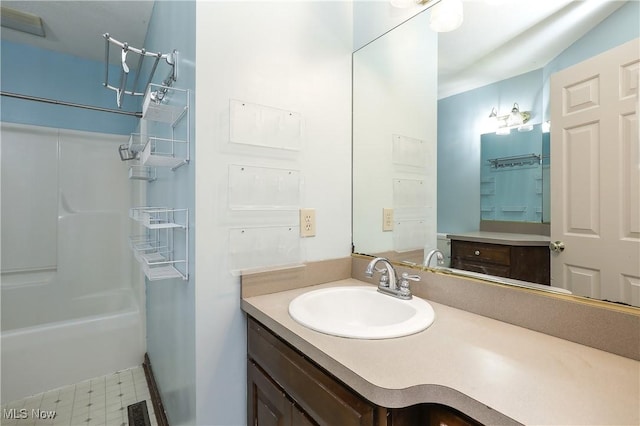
point(71, 346)
point(71, 299)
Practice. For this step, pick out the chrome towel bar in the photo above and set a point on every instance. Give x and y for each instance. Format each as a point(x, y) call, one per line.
point(121, 89)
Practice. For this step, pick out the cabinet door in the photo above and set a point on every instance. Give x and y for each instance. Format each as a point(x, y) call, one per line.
point(300, 418)
point(267, 405)
point(445, 416)
point(531, 264)
point(325, 400)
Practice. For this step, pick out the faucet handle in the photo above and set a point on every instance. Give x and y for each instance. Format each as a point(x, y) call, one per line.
point(384, 277)
point(406, 276)
point(404, 283)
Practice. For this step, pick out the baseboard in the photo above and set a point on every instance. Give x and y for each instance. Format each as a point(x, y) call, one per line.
point(156, 400)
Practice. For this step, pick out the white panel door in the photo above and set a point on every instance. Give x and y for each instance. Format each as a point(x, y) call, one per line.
point(595, 178)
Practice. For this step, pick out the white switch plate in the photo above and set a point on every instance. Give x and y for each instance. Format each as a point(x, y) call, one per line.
point(387, 219)
point(307, 222)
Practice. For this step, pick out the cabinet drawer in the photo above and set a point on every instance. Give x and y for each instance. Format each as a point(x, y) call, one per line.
point(482, 268)
point(481, 252)
point(324, 399)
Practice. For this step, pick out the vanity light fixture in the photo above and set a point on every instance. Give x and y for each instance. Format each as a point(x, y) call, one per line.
point(402, 4)
point(21, 21)
point(515, 119)
point(447, 15)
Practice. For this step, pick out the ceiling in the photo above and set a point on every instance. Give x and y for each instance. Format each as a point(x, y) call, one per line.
point(498, 38)
point(76, 27)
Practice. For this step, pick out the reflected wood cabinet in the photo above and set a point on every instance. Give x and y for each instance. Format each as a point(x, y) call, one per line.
point(285, 388)
point(525, 263)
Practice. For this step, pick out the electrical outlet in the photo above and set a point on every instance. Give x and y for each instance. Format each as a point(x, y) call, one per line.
point(387, 219)
point(307, 222)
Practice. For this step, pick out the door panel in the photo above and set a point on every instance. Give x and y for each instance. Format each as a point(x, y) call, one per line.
point(630, 177)
point(595, 207)
point(582, 174)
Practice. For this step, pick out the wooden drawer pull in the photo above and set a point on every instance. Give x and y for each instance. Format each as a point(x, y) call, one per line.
point(477, 252)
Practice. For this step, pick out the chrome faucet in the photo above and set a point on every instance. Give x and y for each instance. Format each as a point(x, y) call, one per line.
point(439, 257)
point(389, 283)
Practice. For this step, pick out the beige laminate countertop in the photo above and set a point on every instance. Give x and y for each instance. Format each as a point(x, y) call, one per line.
point(493, 371)
point(502, 238)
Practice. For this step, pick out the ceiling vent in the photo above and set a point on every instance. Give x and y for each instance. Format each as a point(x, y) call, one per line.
point(21, 21)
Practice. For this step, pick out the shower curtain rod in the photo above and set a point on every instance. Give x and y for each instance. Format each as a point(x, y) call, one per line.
point(69, 104)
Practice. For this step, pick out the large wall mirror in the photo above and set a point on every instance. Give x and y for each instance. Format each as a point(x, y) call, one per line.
point(426, 160)
point(394, 149)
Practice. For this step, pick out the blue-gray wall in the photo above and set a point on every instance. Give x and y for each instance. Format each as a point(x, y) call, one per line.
point(171, 303)
point(462, 118)
point(621, 26)
point(33, 71)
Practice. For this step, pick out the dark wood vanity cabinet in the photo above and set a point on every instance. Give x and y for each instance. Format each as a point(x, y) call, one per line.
point(285, 388)
point(269, 405)
point(285, 381)
point(525, 263)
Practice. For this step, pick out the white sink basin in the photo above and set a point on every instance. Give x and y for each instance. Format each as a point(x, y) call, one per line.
point(360, 312)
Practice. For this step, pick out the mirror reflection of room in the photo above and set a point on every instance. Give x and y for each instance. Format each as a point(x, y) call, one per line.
point(479, 197)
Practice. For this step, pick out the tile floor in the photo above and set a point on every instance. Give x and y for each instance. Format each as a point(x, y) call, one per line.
point(102, 401)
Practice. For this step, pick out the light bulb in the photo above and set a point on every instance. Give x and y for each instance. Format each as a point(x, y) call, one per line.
point(515, 118)
point(492, 120)
point(446, 16)
point(402, 4)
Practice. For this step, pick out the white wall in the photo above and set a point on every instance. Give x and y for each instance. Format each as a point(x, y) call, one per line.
point(289, 55)
point(372, 18)
point(387, 101)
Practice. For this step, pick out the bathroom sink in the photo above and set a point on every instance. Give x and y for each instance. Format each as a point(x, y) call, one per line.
point(360, 312)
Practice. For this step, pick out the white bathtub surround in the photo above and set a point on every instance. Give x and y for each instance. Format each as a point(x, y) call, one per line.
point(98, 401)
point(72, 305)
